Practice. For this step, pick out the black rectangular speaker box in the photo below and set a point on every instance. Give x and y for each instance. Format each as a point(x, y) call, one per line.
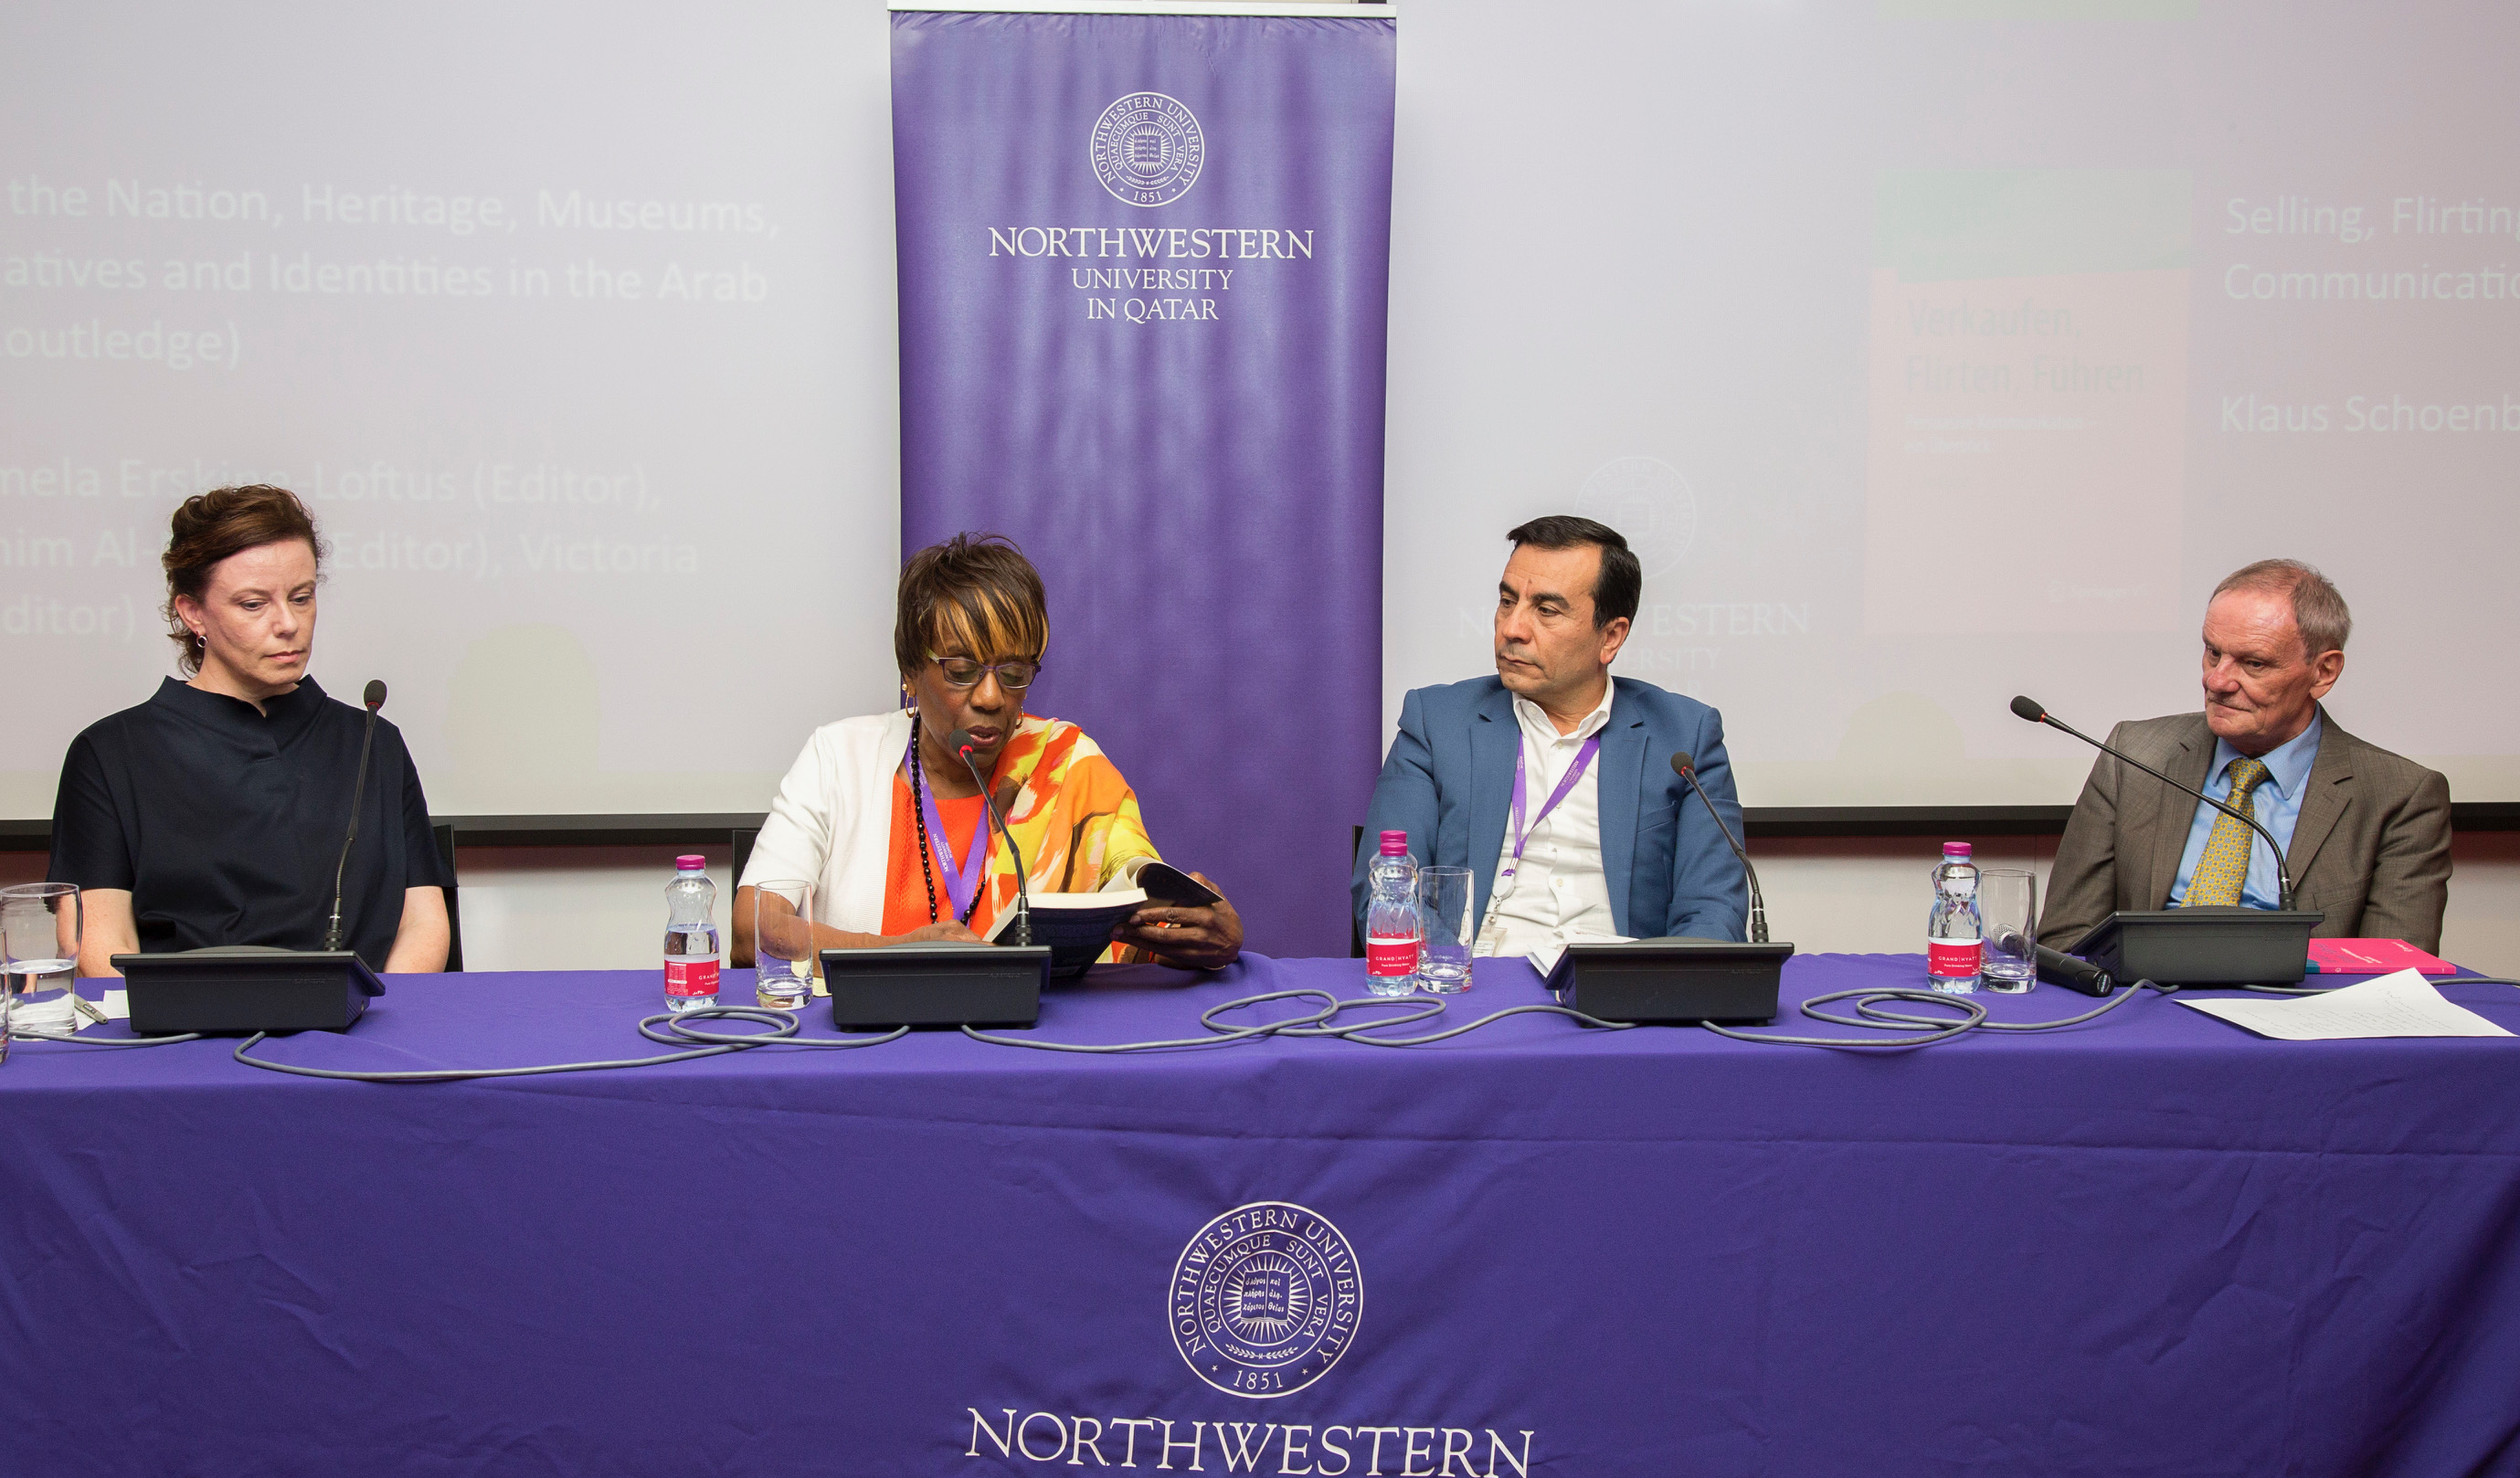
point(1678, 981)
point(936, 985)
point(2203, 946)
point(241, 990)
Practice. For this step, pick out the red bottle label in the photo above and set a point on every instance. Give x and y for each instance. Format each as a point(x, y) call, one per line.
point(1391, 957)
point(1950, 961)
point(691, 978)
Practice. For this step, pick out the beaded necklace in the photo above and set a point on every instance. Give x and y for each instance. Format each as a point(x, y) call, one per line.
point(919, 810)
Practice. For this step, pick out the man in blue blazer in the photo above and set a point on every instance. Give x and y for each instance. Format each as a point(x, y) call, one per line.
point(1608, 840)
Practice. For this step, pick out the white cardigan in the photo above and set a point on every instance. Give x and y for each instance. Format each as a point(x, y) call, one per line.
point(831, 824)
point(831, 820)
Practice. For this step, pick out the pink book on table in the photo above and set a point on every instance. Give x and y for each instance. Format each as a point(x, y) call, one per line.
point(2372, 957)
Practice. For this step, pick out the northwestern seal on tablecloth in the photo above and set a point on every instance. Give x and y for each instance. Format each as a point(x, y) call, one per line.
point(1265, 1299)
point(1147, 149)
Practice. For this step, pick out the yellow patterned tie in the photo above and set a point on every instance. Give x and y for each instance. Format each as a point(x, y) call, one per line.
point(2225, 867)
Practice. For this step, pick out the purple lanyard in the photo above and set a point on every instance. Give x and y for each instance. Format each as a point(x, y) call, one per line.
point(1574, 773)
point(963, 879)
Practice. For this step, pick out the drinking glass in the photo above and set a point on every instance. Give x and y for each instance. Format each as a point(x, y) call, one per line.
point(782, 944)
point(40, 944)
point(1444, 957)
point(2007, 903)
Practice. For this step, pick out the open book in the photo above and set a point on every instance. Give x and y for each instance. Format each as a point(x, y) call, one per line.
point(1077, 927)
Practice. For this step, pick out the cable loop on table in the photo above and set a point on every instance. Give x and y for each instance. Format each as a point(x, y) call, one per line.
point(1319, 1023)
point(1925, 1031)
point(1419, 1010)
point(784, 1028)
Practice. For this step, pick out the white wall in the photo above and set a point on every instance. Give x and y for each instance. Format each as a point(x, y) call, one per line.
point(573, 908)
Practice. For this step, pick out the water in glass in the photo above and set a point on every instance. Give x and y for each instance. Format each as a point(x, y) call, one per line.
point(2007, 904)
point(39, 942)
point(1444, 958)
point(782, 944)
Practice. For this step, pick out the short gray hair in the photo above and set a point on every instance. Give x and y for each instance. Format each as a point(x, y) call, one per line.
point(2318, 611)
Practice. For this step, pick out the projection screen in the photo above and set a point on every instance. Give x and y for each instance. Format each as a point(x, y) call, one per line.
point(1935, 352)
point(573, 322)
point(1929, 352)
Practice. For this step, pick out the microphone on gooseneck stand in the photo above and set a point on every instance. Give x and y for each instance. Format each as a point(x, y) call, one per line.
point(1685, 767)
point(960, 741)
point(375, 699)
point(2032, 711)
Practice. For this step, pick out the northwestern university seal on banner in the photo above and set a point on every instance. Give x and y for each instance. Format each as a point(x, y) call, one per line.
point(1147, 149)
point(1265, 1299)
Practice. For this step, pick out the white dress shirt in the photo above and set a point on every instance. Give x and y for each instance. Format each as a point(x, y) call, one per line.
point(1559, 892)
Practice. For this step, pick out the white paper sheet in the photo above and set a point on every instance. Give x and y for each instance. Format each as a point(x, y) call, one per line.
point(1545, 959)
point(2403, 1004)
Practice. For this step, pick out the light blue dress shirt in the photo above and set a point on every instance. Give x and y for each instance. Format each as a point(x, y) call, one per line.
point(2277, 806)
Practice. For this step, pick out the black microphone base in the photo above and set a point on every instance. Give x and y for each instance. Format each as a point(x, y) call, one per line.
point(935, 985)
point(1673, 981)
point(2203, 946)
point(240, 991)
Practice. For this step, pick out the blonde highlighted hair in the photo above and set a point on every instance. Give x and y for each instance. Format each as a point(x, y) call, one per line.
point(975, 595)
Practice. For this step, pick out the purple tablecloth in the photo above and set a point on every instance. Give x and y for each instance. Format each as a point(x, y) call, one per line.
point(2150, 1245)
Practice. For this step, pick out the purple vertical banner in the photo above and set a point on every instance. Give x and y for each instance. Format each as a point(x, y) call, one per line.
point(1143, 261)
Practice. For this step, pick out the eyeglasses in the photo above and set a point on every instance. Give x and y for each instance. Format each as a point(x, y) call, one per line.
point(962, 672)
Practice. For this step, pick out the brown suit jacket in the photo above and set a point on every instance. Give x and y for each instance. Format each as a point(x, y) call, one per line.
point(2371, 848)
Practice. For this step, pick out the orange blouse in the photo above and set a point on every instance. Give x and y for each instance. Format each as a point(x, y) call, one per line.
point(905, 888)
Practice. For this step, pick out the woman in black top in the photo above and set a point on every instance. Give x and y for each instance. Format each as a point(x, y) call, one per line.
point(213, 813)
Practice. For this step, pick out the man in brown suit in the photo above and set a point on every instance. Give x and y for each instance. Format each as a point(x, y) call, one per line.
point(2366, 833)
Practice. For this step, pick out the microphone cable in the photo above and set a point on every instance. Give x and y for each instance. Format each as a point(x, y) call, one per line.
point(782, 1028)
point(1930, 1032)
point(1317, 1023)
point(30, 1034)
point(1221, 1034)
point(1357, 1032)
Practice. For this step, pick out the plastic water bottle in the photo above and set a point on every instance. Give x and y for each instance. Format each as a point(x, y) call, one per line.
point(1954, 931)
point(1393, 928)
point(691, 936)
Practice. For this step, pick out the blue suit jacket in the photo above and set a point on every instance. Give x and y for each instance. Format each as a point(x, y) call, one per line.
point(1449, 783)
